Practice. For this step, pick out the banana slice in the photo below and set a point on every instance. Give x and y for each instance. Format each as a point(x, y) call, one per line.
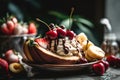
point(83, 40)
point(86, 44)
point(81, 37)
point(89, 58)
point(95, 52)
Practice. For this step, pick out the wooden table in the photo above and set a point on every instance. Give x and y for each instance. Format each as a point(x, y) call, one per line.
point(111, 74)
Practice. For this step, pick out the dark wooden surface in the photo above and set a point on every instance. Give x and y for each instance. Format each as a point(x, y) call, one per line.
point(111, 74)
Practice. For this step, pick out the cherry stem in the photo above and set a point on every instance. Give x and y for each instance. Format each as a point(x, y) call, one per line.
point(43, 23)
point(72, 10)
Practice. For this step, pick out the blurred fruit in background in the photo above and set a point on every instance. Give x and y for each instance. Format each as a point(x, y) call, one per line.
point(13, 33)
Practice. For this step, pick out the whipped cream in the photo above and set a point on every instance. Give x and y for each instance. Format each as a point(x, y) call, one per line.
point(65, 47)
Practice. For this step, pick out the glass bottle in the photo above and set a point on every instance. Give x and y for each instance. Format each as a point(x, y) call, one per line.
point(110, 45)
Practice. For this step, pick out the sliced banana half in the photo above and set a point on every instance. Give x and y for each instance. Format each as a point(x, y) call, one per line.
point(89, 58)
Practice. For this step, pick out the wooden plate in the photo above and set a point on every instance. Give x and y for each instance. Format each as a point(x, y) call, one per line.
point(63, 67)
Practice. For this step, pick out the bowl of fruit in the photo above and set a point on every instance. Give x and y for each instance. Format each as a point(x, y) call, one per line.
point(14, 33)
point(63, 50)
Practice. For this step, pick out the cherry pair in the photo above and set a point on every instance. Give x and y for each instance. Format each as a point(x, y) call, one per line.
point(100, 67)
point(113, 61)
point(56, 32)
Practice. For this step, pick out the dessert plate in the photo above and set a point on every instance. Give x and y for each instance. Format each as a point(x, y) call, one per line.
point(63, 67)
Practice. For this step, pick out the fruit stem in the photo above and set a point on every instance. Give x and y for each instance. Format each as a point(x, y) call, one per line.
point(71, 13)
point(43, 23)
point(39, 36)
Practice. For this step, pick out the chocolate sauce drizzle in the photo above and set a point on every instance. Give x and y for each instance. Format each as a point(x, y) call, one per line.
point(66, 48)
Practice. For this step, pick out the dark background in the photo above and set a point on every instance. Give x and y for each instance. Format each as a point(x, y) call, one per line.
point(25, 10)
point(91, 9)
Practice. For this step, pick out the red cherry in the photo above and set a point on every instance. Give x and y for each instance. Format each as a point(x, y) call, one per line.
point(61, 32)
point(112, 60)
point(52, 34)
point(99, 68)
point(106, 64)
point(118, 62)
point(70, 34)
point(51, 26)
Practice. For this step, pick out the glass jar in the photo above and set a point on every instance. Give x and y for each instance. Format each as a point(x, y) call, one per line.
point(110, 45)
point(14, 42)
